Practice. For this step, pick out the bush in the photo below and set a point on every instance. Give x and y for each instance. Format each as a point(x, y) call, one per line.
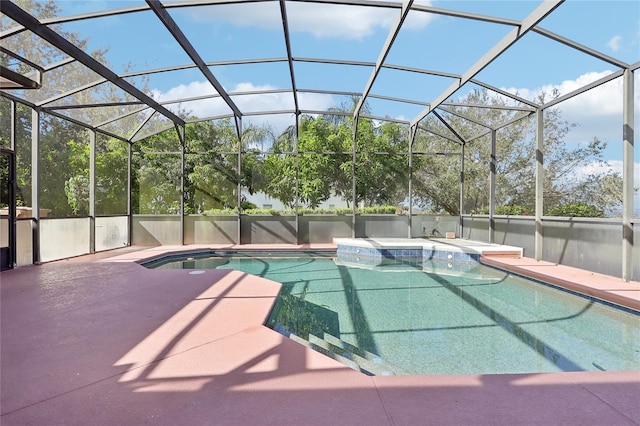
point(377, 210)
point(575, 210)
point(267, 211)
point(247, 205)
point(515, 210)
point(510, 210)
point(349, 210)
point(218, 212)
point(339, 210)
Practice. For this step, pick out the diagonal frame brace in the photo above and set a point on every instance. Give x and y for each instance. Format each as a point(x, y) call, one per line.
point(177, 33)
point(406, 7)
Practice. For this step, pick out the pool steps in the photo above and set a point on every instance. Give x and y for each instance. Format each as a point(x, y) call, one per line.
point(319, 348)
point(353, 357)
point(365, 360)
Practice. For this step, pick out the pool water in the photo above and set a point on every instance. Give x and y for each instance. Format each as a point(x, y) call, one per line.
point(404, 320)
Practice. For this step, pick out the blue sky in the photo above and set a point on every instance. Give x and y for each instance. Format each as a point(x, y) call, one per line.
point(434, 42)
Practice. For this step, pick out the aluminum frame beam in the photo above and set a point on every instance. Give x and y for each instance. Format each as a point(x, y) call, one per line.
point(465, 15)
point(10, 79)
point(505, 124)
point(90, 15)
point(21, 58)
point(599, 82)
point(258, 92)
point(461, 141)
point(71, 92)
point(465, 117)
point(395, 30)
point(186, 45)
point(582, 48)
point(440, 135)
point(502, 107)
point(71, 119)
point(396, 5)
point(334, 61)
point(627, 176)
point(59, 64)
point(32, 24)
point(287, 41)
point(539, 184)
point(513, 36)
point(499, 91)
point(421, 71)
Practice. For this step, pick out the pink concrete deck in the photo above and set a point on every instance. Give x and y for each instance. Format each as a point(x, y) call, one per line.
point(600, 286)
point(111, 343)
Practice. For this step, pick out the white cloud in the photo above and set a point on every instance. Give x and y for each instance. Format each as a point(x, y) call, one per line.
point(261, 102)
point(604, 99)
point(614, 43)
point(315, 101)
point(611, 165)
point(246, 103)
point(195, 88)
point(350, 22)
point(321, 20)
point(276, 102)
point(597, 112)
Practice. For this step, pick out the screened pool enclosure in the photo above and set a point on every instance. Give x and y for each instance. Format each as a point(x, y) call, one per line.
point(242, 122)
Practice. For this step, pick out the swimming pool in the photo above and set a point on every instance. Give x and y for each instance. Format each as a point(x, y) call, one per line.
point(406, 319)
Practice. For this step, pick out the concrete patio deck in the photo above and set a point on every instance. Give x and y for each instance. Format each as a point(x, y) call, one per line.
point(102, 340)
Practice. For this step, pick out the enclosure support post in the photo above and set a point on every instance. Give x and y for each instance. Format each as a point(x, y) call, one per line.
point(297, 202)
point(492, 188)
point(13, 191)
point(92, 191)
point(412, 137)
point(10, 156)
point(35, 184)
point(14, 117)
point(353, 177)
point(539, 182)
point(627, 177)
point(180, 130)
point(239, 129)
point(461, 190)
point(130, 186)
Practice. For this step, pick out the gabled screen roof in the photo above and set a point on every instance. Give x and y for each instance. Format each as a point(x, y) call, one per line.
point(132, 68)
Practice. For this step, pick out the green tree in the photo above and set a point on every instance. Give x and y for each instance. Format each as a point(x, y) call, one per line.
point(382, 164)
point(63, 189)
point(211, 167)
point(324, 166)
point(76, 186)
point(437, 182)
point(63, 157)
point(112, 156)
point(317, 168)
point(156, 174)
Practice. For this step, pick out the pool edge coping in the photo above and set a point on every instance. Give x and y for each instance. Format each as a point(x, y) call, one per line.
point(587, 290)
point(554, 274)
